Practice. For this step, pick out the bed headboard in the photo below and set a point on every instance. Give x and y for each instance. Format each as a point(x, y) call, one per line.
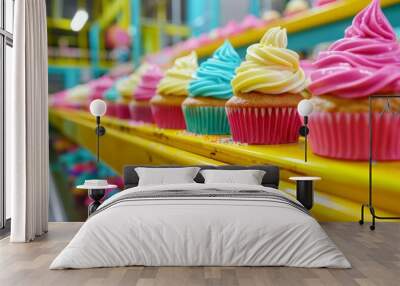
point(271, 177)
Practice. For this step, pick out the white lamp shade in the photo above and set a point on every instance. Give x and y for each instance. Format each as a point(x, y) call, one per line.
point(98, 107)
point(305, 107)
point(79, 20)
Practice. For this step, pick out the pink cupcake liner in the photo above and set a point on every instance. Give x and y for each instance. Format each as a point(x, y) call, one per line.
point(264, 125)
point(346, 135)
point(141, 113)
point(168, 116)
point(111, 109)
point(122, 110)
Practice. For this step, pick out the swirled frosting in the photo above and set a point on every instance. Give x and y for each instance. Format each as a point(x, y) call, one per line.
point(213, 77)
point(178, 77)
point(270, 68)
point(365, 62)
point(147, 86)
point(127, 85)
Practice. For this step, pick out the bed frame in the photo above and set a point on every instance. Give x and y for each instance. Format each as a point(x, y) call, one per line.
point(270, 179)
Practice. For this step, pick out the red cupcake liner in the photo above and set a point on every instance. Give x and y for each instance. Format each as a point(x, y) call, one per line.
point(168, 116)
point(111, 109)
point(122, 110)
point(343, 135)
point(141, 113)
point(264, 125)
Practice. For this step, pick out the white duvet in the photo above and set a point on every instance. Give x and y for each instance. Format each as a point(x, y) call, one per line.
point(199, 231)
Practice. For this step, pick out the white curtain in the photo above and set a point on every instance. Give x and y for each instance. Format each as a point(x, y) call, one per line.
point(27, 159)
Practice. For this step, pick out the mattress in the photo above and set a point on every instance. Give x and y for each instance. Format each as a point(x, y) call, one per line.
point(201, 225)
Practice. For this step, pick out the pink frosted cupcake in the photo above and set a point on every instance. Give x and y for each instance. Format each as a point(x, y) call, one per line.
point(77, 97)
point(251, 22)
point(366, 62)
point(146, 89)
point(99, 86)
point(126, 88)
point(230, 29)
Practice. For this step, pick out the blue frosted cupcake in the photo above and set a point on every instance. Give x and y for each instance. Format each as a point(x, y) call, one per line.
point(204, 109)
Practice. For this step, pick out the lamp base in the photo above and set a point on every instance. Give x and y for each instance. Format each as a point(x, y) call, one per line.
point(96, 195)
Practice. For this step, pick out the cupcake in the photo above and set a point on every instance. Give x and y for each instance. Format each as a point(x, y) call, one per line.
point(78, 97)
point(204, 109)
point(99, 86)
point(267, 89)
point(126, 88)
point(366, 62)
point(172, 91)
point(230, 29)
point(295, 7)
point(111, 97)
point(146, 89)
point(271, 16)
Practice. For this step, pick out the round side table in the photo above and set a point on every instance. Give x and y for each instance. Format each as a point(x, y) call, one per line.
point(96, 193)
point(305, 190)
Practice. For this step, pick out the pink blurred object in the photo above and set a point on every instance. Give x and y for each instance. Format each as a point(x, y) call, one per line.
point(251, 21)
point(117, 37)
point(230, 29)
point(318, 3)
point(58, 99)
point(190, 44)
point(204, 39)
point(99, 86)
point(61, 100)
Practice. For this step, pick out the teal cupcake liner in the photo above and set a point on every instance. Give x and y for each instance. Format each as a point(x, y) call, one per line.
point(206, 120)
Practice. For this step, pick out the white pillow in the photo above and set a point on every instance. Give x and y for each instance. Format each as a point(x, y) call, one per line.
point(247, 177)
point(166, 176)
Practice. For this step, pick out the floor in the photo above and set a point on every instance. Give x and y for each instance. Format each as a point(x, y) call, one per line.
point(375, 257)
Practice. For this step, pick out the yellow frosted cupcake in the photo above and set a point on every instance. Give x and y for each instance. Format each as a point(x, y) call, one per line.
point(172, 91)
point(267, 89)
point(126, 88)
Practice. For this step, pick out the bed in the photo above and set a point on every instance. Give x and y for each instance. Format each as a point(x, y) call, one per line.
point(198, 224)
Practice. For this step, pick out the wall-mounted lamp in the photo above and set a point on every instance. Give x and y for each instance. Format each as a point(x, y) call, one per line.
point(98, 108)
point(305, 108)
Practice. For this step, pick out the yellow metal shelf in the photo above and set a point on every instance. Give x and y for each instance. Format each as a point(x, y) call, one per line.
point(338, 195)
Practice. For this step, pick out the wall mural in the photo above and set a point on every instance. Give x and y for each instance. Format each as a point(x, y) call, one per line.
point(222, 108)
